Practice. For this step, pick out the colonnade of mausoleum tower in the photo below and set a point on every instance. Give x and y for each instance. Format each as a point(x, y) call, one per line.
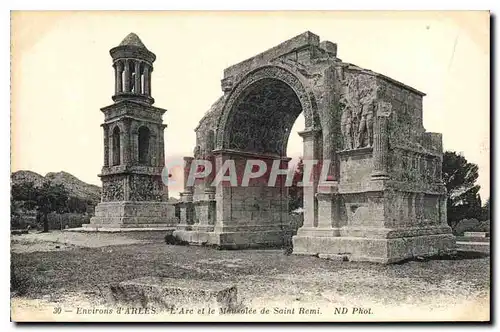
point(133, 64)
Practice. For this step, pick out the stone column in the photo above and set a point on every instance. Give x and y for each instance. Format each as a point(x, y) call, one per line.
point(208, 152)
point(381, 142)
point(330, 153)
point(187, 198)
point(137, 83)
point(106, 144)
point(311, 139)
point(187, 168)
point(161, 158)
point(330, 127)
point(126, 142)
point(223, 197)
point(442, 210)
point(439, 170)
point(147, 80)
point(127, 79)
point(118, 76)
point(111, 147)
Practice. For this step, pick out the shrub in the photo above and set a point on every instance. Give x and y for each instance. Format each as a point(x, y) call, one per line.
point(466, 225)
point(484, 226)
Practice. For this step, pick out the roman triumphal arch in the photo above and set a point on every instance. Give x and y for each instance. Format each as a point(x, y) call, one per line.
point(372, 188)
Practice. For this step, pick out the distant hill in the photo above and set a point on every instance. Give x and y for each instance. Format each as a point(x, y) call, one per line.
point(27, 176)
point(74, 186)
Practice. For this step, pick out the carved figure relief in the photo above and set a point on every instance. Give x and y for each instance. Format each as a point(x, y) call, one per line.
point(365, 129)
point(346, 118)
point(357, 103)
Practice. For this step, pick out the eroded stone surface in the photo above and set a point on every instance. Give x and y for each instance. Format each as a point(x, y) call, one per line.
point(168, 293)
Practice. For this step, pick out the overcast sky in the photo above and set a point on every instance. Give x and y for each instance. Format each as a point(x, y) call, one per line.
point(62, 74)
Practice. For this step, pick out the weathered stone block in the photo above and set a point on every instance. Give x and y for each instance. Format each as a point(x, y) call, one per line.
point(166, 293)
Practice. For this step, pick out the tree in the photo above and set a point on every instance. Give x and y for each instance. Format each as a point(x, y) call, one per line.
point(24, 192)
point(23, 197)
point(77, 205)
point(460, 178)
point(296, 193)
point(51, 198)
point(485, 215)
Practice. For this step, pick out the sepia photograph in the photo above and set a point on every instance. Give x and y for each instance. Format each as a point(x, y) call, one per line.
point(250, 166)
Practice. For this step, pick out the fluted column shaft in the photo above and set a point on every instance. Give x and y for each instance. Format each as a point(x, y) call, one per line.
point(118, 77)
point(106, 145)
point(137, 83)
point(127, 78)
point(147, 80)
point(161, 159)
point(381, 141)
point(126, 143)
point(187, 168)
point(312, 150)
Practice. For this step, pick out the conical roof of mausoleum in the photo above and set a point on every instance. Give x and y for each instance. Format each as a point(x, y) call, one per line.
point(132, 40)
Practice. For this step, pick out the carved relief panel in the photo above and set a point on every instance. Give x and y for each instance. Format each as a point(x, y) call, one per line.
point(357, 106)
point(112, 189)
point(145, 188)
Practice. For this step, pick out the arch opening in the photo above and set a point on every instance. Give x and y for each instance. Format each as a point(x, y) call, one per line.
point(262, 118)
point(116, 146)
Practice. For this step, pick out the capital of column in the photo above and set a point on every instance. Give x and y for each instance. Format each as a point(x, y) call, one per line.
point(310, 133)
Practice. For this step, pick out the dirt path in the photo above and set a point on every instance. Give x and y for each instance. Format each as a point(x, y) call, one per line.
point(60, 240)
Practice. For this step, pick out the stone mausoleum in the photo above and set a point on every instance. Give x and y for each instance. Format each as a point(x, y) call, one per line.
point(133, 193)
point(386, 201)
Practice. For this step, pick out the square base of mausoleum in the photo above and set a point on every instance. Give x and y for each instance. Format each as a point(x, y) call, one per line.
point(132, 215)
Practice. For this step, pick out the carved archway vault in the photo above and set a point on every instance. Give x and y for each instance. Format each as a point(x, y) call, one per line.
point(261, 110)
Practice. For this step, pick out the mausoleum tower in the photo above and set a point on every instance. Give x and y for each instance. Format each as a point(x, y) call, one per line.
point(133, 193)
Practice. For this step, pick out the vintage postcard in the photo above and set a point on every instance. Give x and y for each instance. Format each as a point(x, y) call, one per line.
point(294, 166)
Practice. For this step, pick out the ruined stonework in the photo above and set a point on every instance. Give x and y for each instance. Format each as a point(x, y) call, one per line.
point(386, 200)
point(133, 194)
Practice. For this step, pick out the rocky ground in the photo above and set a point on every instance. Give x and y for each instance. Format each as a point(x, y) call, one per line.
point(67, 270)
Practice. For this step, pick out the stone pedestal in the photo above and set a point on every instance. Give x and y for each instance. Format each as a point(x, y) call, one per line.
point(236, 217)
point(186, 211)
point(129, 214)
point(373, 218)
point(201, 220)
point(366, 228)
